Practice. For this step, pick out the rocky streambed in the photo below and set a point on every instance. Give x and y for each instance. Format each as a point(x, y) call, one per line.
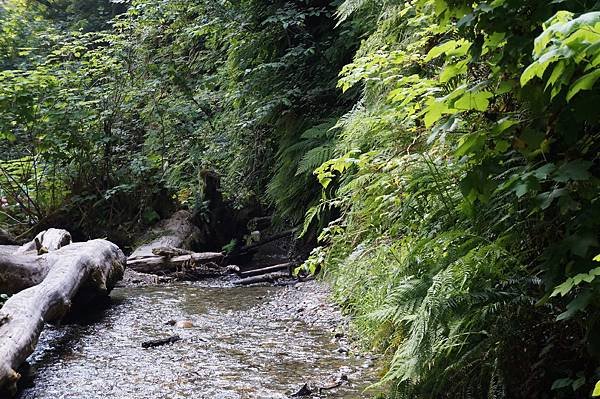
point(236, 342)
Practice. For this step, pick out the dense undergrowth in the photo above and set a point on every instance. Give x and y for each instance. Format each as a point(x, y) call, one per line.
point(445, 152)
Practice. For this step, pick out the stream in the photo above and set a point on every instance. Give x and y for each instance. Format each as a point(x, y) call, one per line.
point(251, 342)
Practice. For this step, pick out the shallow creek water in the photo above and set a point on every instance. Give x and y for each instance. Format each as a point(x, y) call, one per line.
point(241, 346)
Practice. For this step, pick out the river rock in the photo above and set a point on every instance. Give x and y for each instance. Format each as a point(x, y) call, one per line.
point(184, 324)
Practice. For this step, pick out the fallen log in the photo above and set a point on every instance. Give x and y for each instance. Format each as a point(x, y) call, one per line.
point(204, 271)
point(18, 272)
point(21, 268)
point(176, 232)
point(265, 278)
point(162, 264)
point(168, 253)
point(75, 272)
point(8, 249)
point(256, 272)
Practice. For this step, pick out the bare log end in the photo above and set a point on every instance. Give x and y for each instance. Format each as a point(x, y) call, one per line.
point(46, 241)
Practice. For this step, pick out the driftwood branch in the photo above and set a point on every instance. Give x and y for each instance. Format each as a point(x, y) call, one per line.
point(168, 253)
point(275, 268)
point(84, 270)
point(22, 268)
point(265, 278)
point(159, 342)
point(18, 272)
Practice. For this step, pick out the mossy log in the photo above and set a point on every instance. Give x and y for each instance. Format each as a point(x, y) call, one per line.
point(77, 272)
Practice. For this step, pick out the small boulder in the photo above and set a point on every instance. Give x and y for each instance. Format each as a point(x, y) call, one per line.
point(184, 324)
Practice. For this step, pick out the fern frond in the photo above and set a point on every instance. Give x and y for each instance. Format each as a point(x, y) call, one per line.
point(314, 158)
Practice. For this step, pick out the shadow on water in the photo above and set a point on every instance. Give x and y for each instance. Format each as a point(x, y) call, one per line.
point(240, 346)
point(57, 341)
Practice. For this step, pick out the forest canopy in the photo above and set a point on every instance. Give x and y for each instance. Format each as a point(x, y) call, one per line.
point(439, 156)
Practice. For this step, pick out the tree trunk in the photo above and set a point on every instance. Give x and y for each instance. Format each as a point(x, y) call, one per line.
point(84, 269)
point(21, 267)
point(18, 272)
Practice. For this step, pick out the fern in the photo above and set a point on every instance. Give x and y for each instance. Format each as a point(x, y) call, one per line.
point(294, 188)
point(314, 158)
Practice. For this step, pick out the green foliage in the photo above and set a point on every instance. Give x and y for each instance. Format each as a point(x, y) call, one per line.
point(456, 199)
point(230, 246)
point(596, 391)
point(567, 44)
point(460, 187)
point(293, 186)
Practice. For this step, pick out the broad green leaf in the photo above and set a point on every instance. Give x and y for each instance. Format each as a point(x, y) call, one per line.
point(494, 40)
point(548, 197)
point(504, 124)
point(533, 70)
point(579, 303)
point(454, 48)
point(578, 383)
point(504, 87)
point(526, 186)
point(469, 143)
point(561, 383)
point(585, 82)
point(575, 171)
point(557, 72)
point(8, 136)
point(478, 101)
point(434, 111)
point(450, 71)
point(544, 171)
point(564, 288)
